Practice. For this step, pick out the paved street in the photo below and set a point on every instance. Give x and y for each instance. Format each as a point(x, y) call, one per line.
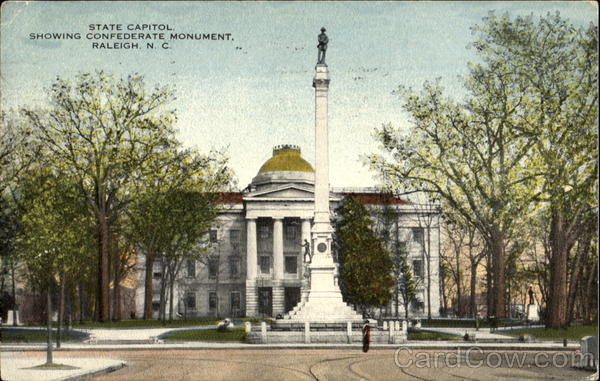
point(341, 364)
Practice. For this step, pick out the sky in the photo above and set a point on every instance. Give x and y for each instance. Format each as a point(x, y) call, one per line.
point(254, 91)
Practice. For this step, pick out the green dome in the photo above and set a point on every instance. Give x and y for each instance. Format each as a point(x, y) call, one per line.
point(286, 158)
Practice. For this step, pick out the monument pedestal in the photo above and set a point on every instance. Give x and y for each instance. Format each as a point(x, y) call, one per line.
point(10, 318)
point(533, 312)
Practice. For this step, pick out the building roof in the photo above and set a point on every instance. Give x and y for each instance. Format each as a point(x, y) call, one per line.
point(286, 158)
point(229, 198)
point(374, 198)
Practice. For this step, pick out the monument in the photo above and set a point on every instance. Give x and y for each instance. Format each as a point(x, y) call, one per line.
point(532, 308)
point(324, 301)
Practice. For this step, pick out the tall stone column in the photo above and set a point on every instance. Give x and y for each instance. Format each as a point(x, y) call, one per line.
point(278, 291)
point(251, 268)
point(321, 85)
point(325, 302)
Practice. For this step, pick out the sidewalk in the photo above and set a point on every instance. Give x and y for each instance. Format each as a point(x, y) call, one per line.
point(18, 366)
point(449, 344)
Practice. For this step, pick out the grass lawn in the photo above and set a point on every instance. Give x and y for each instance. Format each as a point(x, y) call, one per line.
point(426, 335)
point(570, 333)
point(16, 335)
point(234, 334)
point(468, 323)
point(140, 323)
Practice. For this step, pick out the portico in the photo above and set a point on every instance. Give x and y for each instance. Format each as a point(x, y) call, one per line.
point(279, 213)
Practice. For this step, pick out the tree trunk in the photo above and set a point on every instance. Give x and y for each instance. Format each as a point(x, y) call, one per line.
point(14, 291)
point(171, 291)
point(459, 310)
point(499, 257)
point(489, 280)
point(117, 286)
point(148, 286)
point(103, 267)
point(557, 306)
point(583, 248)
point(428, 256)
point(473, 290)
point(163, 287)
point(61, 310)
point(81, 302)
point(49, 322)
point(591, 286)
point(581, 257)
point(443, 289)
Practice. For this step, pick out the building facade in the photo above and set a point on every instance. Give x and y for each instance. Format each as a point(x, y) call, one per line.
point(255, 267)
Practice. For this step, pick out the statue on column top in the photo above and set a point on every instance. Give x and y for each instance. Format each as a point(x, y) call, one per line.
point(323, 41)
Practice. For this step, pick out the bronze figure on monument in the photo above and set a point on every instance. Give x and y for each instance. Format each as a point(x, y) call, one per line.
point(323, 41)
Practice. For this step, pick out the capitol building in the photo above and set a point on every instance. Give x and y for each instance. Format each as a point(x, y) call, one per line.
point(255, 266)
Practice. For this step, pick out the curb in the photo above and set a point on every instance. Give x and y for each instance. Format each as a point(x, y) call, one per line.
point(441, 346)
point(95, 373)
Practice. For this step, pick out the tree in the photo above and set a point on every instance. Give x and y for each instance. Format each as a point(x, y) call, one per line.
point(102, 131)
point(18, 151)
point(524, 133)
point(553, 76)
point(476, 164)
point(387, 229)
point(170, 219)
point(366, 266)
point(54, 237)
point(407, 283)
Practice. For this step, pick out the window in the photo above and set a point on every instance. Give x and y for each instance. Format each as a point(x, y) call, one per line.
point(235, 300)
point(212, 300)
point(155, 306)
point(191, 268)
point(265, 264)
point(291, 264)
point(213, 236)
point(417, 265)
point(234, 267)
point(190, 301)
point(291, 232)
point(234, 239)
point(213, 267)
point(157, 275)
point(264, 231)
point(417, 234)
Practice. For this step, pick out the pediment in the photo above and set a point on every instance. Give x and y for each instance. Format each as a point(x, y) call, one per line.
point(284, 192)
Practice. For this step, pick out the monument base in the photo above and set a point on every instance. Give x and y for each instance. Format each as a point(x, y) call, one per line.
point(324, 303)
point(533, 312)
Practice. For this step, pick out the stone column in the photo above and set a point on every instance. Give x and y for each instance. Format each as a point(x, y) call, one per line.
point(251, 259)
point(278, 292)
point(321, 85)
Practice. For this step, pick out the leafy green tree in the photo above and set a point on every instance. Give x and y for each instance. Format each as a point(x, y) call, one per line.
point(54, 236)
point(102, 131)
point(524, 133)
point(553, 82)
point(366, 266)
point(18, 151)
point(9, 223)
point(170, 219)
